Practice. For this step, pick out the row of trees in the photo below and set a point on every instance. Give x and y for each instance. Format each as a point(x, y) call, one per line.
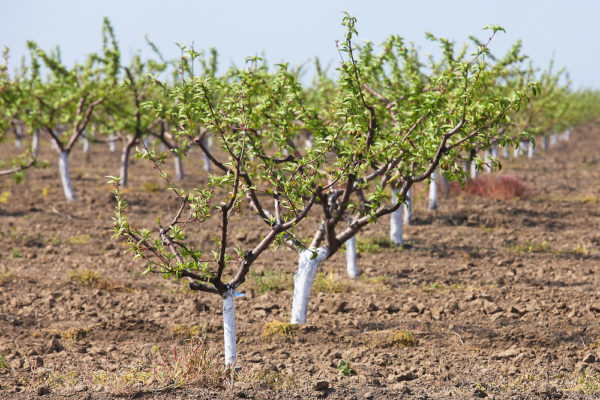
point(343, 151)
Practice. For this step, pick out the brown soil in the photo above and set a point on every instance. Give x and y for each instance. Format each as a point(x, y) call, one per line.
point(492, 298)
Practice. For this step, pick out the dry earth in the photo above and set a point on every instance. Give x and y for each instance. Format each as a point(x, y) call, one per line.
point(491, 299)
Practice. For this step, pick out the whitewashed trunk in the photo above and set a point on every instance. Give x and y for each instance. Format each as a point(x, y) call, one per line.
point(351, 265)
point(19, 134)
point(124, 172)
point(567, 135)
point(65, 176)
point(207, 141)
point(86, 143)
point(407, 208)
point(303, 281)
point(553, 139)
point(494, 150)
point(473, 172)
point(35, 143)
point(517, 149)
point(530, 149)
point(506, 152)
point(229, 328)
point(432, 204)
point(487, 162)
point(178, 167)
point(111, 144)
point(396, 221)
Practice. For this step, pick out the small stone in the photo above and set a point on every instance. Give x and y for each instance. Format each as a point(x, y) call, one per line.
point(589, 359)
point(368, 395)
point(321, 385)
point(43, 390)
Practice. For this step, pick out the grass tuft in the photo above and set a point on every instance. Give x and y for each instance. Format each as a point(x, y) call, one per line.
point(327, 284)
point(278, 328)
point(271, 281)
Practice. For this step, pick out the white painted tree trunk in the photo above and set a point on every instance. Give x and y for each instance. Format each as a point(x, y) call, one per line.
point(487, 162)
point(86, 143)
point(473, 172)
point(432, 205)
point(111, 144)
point(553, 139)
point(65, 176)
point(35, 143)
point(229, 328)
point(506, 152)
point(178, 167)
point(517, 149)
point(494, 150)
point(19, 134)
point(351, 265)
point(407, 208)
point(207, 141)
point(303, 281)
point(530, 149)
point(396, 221)
point(124, 173)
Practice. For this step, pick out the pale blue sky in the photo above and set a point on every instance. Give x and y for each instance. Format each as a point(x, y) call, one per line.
point(297, 31)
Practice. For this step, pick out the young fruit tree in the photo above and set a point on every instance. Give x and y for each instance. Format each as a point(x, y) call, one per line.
point(389, 126)
point(62, 103)
point(250, 114)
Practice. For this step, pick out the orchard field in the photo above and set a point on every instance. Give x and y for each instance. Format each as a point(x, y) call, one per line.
point(141, 205)
point(490, 297)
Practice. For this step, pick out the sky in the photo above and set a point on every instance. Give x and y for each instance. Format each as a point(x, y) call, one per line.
point(297, 31)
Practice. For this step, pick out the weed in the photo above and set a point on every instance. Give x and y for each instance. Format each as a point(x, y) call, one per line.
point(68, 378)
point(398, 338)
point(377, 280)
point(344, 367)
point(587, 382)
point(151, 187)
point(185, 332)
point(6, 276)
point(271, 281)
point(376, 245)
point(74, 334)
point(532, 247)
point(277, 328)
point(90, 278)
point(432, 287)
point(276, 380)
point(402, 338)
point(79, 239)
point(4, 196)
point(15, 253)
point(327, 284)
point(3, 363)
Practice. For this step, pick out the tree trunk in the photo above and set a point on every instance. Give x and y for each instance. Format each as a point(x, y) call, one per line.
point(229, 328)
point(553, 139)
point(530, 149)
point(396, 221)
point(351, 266)
point(473, 172)
point(506, 152)
point(65, 176)
point(432, 205)
point(35, 143)
point(111, 144)
point(207, 142)
point(407, 208)
point(125, 165)
point(303, 281)
point(19, 135)
point(545, 142)
point(178, 167)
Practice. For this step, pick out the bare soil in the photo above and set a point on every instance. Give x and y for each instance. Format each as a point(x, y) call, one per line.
point(490, 299)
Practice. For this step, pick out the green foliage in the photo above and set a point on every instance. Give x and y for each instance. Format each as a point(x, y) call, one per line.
point(344, 367)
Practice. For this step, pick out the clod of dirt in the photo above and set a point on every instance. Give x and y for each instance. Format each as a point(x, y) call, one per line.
point(43, 390)
point(321, 385)
point(54, 346)
point(589, 358)
point(480, 393)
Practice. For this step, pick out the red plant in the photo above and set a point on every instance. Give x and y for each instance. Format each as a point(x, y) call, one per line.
point(504, 187)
